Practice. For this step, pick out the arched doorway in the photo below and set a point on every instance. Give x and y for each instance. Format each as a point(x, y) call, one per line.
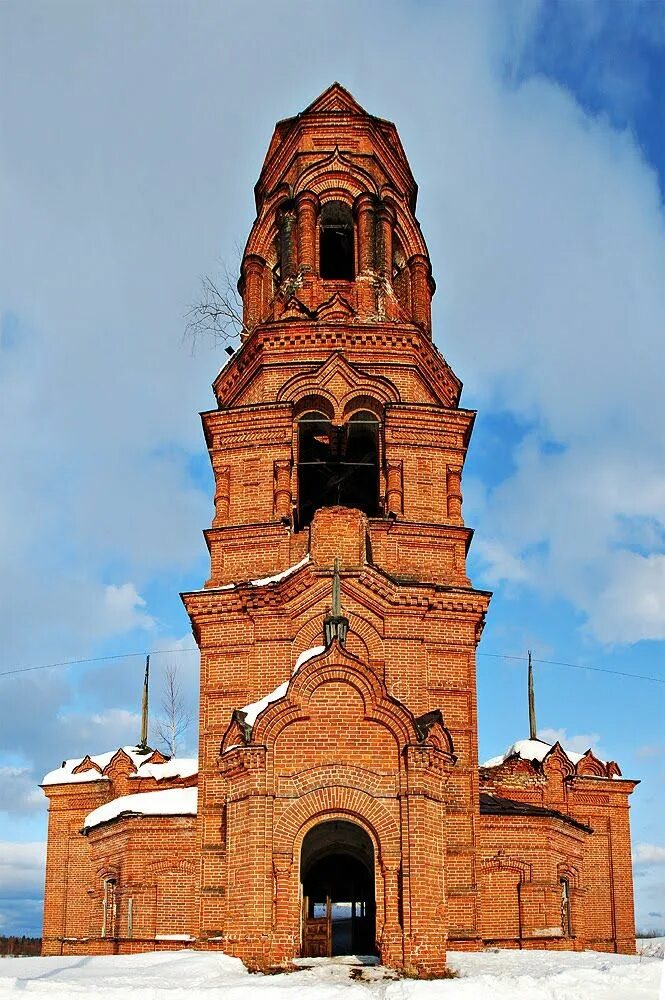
point(337, 875)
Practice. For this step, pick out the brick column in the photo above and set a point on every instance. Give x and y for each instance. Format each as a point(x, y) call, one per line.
point(394, 488)
point(253, 268)
point(307, 207)
point(387, 216)
point(282, 487)
point(288, 245)
point(454, 488)
point(365, 229)
point(391, 943)
point(421, 291)
point(222, 493)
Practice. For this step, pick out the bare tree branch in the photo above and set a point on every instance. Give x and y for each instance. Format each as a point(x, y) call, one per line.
point(218, 312)
point(176, 717)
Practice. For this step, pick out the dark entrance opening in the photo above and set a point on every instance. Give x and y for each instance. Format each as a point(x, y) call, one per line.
point(337, 874)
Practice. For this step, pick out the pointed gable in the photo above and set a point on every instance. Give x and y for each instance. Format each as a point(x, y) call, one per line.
point(334, 98)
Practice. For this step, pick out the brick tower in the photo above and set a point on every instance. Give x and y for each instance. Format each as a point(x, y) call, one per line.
point(337, 805)
point(338, 780)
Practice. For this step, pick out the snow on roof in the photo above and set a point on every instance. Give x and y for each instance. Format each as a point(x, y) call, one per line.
point(253, 710)
point(531, 750)
point(262, 581)
point(169, 802)
point(308, 654)
point(177, 767)
point(64, 775)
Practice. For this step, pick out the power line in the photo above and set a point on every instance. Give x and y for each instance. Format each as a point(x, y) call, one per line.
point(93, 659)
point(181, 650)
point(578, 666)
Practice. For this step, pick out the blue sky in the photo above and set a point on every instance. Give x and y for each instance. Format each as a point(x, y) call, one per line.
point(130, 139)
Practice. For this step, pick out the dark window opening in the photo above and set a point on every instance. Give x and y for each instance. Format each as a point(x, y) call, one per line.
point(566, 923)
point(337, 465)
point(336, 261)
point(109, 908)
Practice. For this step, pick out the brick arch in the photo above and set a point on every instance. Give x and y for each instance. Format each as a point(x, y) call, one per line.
point(310, 634)
point(171, 867)
point(354, 401)
point(410, 238)
point(338, 802)
point(321, 400)
point(376, 388)
point(591, 765)
point(261, 240)
point(335, 173)
point(557, 761)
point(500, 862)
point(379, 706)
point(565, 870)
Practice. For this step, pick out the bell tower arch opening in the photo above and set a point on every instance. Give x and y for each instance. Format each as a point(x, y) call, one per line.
point(337, 878)
point(337, 466)
point(336, 250)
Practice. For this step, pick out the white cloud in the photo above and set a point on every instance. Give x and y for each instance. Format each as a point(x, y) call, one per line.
point(578, 743)
point(122, 608)
point(632, 604)
point(574, 530)
point(499, 563)
point(649, 854)
point(649, 750)
point(19, 793)
point(22, 869)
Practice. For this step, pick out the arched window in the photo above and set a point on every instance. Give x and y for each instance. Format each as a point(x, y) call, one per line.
point(337, 465)
point(360, 464)
point(336, 257)
point(316, 436)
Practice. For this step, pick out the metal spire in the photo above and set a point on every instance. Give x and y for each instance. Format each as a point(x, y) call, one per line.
point(336, 624)
point(336, 610)
point(532, 703)
point(144, 707)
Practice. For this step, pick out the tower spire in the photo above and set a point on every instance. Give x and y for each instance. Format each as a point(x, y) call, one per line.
point(532, 703)
point(143, 744)
point(336, 624)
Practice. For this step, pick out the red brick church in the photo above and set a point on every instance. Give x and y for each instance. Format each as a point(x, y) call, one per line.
point(337, 805)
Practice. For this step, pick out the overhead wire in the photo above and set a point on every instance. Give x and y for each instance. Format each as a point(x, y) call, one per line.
point(94, 659)
point(194, 649)
point(577, 666)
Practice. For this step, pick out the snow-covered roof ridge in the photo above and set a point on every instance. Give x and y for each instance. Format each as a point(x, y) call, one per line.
point(538, 751)
point(69, 773)
point(250, 713)
point(262, 581)
point(176, 767)
point(166, 802)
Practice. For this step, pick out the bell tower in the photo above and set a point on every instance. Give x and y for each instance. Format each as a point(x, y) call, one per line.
point(338, 769)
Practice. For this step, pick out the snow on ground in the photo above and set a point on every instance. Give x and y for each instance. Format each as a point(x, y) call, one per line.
point(655, 947)
point(192, 975)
